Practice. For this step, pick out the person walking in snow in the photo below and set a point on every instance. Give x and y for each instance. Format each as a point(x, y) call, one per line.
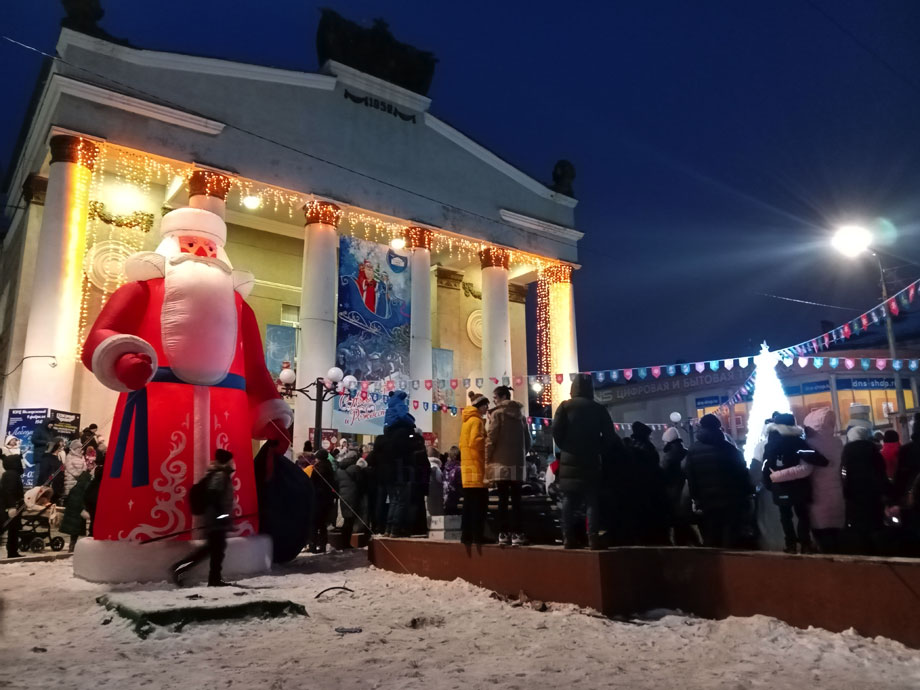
point(583, 431)
point(75, 514)
point(507, 444)
point(218, 504)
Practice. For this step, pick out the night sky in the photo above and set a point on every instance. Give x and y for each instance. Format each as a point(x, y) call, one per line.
point(715, 142)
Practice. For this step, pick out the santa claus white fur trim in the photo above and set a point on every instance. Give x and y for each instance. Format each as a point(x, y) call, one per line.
point(110, 350)
point(276, 410)
point(194, 221)
point(145, 266)
point(243, 282)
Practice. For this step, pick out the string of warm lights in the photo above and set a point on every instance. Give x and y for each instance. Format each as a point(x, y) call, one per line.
point(544, 335)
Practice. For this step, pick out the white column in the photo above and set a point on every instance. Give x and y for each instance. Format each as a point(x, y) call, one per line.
point(54, 315)
point(496, 321)
point(564, 343)
point(208, 191)
point(420, 364)
point(316, 353)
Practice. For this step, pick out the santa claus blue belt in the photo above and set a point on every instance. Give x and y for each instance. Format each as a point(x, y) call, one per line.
point(136, 407)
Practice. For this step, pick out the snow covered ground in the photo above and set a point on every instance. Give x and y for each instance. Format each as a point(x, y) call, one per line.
point(55, 635)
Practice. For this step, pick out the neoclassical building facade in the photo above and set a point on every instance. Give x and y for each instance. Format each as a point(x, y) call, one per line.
point(310, 171)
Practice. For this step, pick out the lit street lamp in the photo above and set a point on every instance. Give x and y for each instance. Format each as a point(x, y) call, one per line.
point(853, 241)
point(319, 391)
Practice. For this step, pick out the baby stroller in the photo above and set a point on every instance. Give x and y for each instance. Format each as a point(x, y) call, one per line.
point(38, 516)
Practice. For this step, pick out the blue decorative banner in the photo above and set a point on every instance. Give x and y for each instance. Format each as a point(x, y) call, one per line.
point(372, 342)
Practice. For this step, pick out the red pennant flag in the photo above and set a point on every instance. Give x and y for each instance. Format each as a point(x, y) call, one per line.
point(363, 395)
point(864, 320)
point(656, 372)
point(847, 331)
point(364, 385)
point(391, 385)
point(814, 344)
point(559, 378)
point(415, 404)
point(827, 340)
point(628, 374)
point(530, 420)
point(911, 291)
point(454, 383)
point(893, 306)
point(518, 381)
point(427, 384)
point(545, 422)
point(493, 380)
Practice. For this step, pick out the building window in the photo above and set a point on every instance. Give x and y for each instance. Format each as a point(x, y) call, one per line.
point(290, 315)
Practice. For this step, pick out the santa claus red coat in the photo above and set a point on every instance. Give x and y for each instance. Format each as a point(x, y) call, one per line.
point(184, 349)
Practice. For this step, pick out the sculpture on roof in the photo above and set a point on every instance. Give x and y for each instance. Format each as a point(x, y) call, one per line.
point(373, 51)
point(563, 176)
point(84, 16)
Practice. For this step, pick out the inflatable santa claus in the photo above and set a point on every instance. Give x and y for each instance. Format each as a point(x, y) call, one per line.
point(183, 348)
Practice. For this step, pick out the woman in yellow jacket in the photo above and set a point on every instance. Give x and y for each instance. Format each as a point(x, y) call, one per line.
point(473, 470)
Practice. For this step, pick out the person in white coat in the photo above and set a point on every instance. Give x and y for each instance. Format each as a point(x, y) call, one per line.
point(74, 464)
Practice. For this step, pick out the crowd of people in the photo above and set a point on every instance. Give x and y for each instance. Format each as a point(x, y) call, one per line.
point(66, 487)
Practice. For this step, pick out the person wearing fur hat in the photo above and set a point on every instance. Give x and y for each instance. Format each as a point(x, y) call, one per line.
point(672, 458)
point(11, 495)
point(507, 444)
point(866, 490)
point(74, 465)
point(218, 509)
point(719, 485)
point(785, 449)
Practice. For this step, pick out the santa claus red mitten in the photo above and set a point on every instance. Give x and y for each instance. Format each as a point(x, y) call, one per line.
point(134, 370)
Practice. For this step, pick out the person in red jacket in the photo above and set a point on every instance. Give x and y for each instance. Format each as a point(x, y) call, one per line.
point(891, 446)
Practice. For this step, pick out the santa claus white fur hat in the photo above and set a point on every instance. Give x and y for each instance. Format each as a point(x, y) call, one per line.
point(194, 221)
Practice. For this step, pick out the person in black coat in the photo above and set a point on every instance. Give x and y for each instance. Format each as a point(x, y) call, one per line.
point(719, 484)
point(786, 447)
point(672, 459)
point(325, 489)
point(866, 490)
point(401, 463)
point(91, 497)
point(50, 468)
point(42, 436)
point(906, 477)
point(217, 521)
point(350, 481)
point(583, 431)
point(645, 480)
point(11, 497)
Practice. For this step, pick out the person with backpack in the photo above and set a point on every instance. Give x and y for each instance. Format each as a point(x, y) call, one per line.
point(212, 498)
point(786, 448)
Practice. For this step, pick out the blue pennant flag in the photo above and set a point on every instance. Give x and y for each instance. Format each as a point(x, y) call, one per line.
point(897, 364)
point(714, 365)
point(643, 373)
point(425, 405)
point(614, 374)
point(600, 376)
point(685, 369)
point(671, 370)
point(865, 363)
point(466, 383)
point(818, 362)
point(834, 362)
point(453, 410)
point(375, 396)
point(913, 365)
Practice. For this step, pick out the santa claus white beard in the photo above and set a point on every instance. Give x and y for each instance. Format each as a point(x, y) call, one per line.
point(199, 323)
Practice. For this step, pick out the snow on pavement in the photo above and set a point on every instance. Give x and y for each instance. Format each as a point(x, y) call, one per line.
point(461, 639)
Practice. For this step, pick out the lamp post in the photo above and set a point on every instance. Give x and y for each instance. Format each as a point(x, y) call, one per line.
point(853, 241)
point(324, 388)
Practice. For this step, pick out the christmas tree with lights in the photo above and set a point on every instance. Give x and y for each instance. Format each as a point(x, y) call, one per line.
point(768, 397)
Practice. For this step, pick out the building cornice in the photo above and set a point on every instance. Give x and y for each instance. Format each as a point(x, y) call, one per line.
point(542, 227)
point(483, 154)
point(191, 63)
point(376, 86)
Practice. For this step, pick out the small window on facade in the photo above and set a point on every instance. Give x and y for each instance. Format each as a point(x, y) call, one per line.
point(290, 315)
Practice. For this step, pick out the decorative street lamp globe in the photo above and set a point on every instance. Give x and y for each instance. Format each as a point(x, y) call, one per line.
point(676, 417)
point(536, 387)
point(287, 376)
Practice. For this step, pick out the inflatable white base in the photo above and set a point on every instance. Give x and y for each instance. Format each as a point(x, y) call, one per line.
point(130, 561)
